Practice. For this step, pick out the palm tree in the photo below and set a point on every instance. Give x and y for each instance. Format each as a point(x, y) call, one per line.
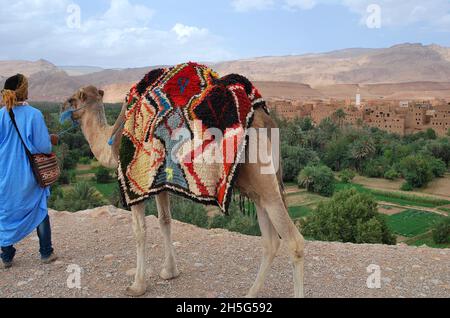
point(83, 196)
point(340, 115)
point(306, 178)
point(361, 150)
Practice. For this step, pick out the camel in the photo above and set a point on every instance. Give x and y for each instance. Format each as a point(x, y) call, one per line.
point(265, 190)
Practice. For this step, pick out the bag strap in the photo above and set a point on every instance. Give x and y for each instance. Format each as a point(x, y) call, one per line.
point(13, 119)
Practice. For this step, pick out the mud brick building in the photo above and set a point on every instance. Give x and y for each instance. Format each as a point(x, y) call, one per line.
point(386, 118)
point(396, 116)
point(440, 120)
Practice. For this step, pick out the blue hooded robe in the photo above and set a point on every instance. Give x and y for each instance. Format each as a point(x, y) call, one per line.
point(23, 203)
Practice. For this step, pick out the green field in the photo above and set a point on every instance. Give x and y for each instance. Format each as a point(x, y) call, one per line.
point(446, 210)
point(85, 172)
point(425, 239)
point(106, 189)
point(396, 197)
point(412, 223)
point(416, 225)
point(297, 212)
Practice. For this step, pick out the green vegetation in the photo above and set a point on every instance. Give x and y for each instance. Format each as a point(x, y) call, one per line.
point(419, 170)
point(106, 189)
point(425, 239)
point(417, 158)
point(79, 192)
point(67, 177)
point(85, 172)
point(297, 212)
point(446, 210)
point(392, 174)
point(412, 223)
point(237, 222)
point(81, 197)
point(241, 218)
point(347, 176)
point(183, 210)
point(399, 198)
point(189, 212)
point(317, 179)
point(295, 159)
point(311, 156)
point(103, 175)
point(441, 232)
point(349, 217)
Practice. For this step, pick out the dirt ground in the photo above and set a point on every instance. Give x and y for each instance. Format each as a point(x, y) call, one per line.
point(377, 183)
point(390, 210)
point(214, 264)
point(439, 187)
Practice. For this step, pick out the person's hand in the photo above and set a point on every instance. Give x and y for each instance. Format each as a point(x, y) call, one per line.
point(54, 139)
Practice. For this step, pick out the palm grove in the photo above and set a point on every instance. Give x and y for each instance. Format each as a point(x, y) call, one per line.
point(319, 158)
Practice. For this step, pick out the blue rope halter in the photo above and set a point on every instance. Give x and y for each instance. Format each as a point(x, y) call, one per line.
point(68, 116)
point(112, 140)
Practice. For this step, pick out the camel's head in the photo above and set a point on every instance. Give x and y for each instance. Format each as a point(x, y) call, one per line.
point(85, 100)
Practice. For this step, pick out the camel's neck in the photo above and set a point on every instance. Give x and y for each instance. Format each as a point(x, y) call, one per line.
point(97, 132)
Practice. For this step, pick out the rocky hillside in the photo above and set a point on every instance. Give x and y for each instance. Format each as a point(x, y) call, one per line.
point(214, 263)
point(397, 64)
point(28, 68)
point(116, 92)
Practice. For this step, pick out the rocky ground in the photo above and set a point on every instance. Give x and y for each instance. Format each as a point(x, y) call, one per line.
point(214, 264)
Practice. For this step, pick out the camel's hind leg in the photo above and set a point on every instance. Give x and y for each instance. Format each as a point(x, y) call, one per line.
point(265, 189)
point(282, 222)
point(139, 286)
point(170, 269)
point(271, 244)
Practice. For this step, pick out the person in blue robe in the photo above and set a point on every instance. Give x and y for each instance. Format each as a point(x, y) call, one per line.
point(23, 203)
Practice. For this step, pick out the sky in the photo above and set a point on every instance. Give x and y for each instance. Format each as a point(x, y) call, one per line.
point(133, 33)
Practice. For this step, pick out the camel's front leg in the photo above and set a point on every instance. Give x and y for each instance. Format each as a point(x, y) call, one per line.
point(170, 269)
point(139, 286)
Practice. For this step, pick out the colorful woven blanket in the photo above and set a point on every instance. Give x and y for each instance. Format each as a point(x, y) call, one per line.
point(185, 132)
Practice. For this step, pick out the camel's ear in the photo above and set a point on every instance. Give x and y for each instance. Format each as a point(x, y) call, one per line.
point(82, 96)
point(102, 93)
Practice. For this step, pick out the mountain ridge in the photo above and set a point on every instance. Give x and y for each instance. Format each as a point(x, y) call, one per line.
point(402, 63)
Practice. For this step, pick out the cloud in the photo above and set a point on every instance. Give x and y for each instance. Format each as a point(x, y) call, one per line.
point(121, 36)
point(185, 32)
point(399, 13)
point(248, 5)
point(121, 12)
point(432, 13)
point(300, 4)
